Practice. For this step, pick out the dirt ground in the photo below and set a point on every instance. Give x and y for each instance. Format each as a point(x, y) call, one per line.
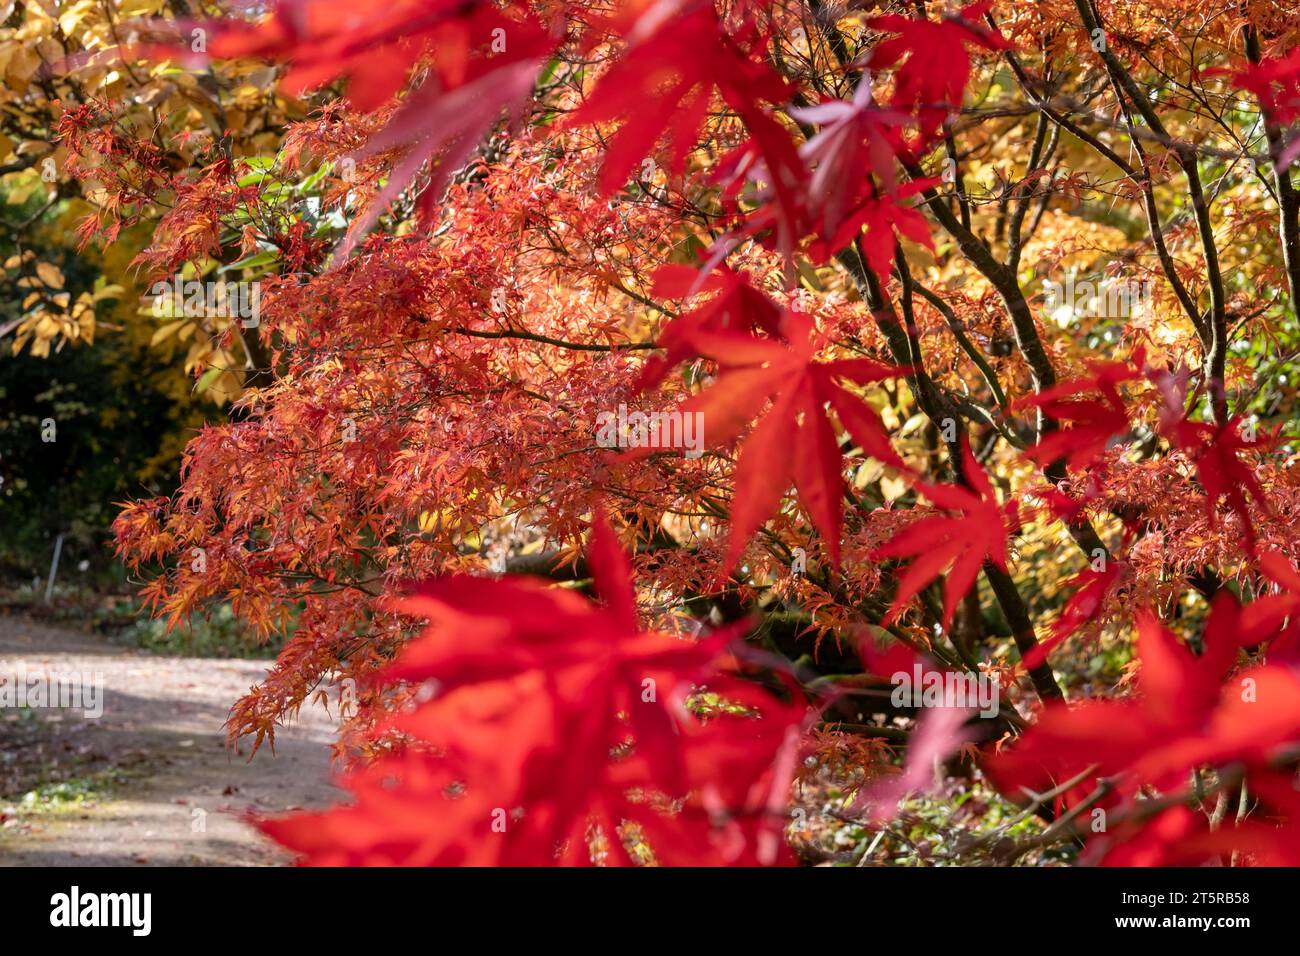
point(151, 781)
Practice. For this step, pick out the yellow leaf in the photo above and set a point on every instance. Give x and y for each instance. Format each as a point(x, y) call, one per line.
point(50, 274)
point(30, 147)
point(46, 326)
point(142, 8)
point(892, 487)
point(18, 195)
point(167, 330)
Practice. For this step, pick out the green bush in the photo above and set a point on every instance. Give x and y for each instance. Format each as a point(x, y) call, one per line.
point(219, 635)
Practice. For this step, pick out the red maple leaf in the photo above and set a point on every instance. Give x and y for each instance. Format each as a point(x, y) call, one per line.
point(1276, 84)
point(475, 78)
point(837, 202)
point(1214, 452)
point(1185, 716)
point(543, 722)
point(1169, 838)
point(665, 85)
point(737, 306)
point(960, 544)
point(1182, 836)
point(1090, 587)
point(857, 138)
point(881, 216)
point(744, 767)
point(1092, 422)
point(1274, 617)
point(1062, 505)
point(933, 78)
point(794, 441)
point(326, 39)
point(767, 171)
point(897, 658)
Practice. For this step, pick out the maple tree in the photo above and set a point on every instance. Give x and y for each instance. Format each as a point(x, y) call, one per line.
point(801, 225)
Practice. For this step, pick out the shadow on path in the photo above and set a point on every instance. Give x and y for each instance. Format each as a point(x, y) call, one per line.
point(175, 795)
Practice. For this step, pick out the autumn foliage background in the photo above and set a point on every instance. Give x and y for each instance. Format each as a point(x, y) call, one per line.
point(830, 230)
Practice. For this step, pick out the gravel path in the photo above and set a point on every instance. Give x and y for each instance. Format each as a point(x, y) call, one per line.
point(163, 788)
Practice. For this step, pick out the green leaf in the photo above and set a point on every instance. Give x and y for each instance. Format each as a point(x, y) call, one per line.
point(205, 382)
